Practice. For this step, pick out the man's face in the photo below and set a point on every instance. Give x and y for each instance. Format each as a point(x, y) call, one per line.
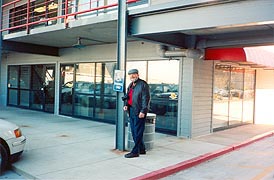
point(133, 77)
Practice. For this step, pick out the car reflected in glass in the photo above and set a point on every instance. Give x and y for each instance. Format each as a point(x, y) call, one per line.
point(164, 98)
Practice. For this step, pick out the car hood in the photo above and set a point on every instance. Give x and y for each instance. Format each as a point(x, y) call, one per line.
point(7, 125)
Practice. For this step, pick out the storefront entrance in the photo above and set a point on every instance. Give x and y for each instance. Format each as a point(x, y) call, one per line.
point(233, 101)
point(32, 86)
point(86, 91)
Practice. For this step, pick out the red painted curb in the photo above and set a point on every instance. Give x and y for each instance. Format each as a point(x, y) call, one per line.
point(161, 173)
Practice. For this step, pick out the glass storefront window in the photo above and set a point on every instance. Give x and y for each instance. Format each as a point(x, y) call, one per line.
point(249, 92)
point(221, 96)
point(163, 85)
point(84, 89)
point(67, 75)
point(13, 77)
point(142, 68)
point(25, 77)
point(13, 97)
point(233, 97)
point(24, 100)
point(87, 91)
point(32, 86)
point(105, 95)
point(17, 16)
point(236, 96)
point(163, 78)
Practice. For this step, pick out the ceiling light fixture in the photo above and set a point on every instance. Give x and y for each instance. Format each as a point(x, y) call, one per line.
point(79, 44)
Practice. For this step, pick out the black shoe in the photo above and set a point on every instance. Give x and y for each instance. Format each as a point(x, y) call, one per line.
point(131, 155)
point(143, 152)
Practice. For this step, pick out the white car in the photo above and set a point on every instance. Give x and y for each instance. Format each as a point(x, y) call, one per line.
point(12, 143)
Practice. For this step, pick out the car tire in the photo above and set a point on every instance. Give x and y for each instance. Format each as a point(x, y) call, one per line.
point(3, 158)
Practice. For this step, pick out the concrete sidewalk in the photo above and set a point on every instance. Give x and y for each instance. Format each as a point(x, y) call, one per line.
point(60, 147)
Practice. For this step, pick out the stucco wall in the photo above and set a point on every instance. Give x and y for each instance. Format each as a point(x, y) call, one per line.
point(135, 51)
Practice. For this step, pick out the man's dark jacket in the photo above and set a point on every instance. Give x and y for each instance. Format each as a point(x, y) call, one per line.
point(140, 97)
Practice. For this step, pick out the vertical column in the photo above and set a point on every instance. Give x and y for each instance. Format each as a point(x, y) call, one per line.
point(1, 43)
point(184, 128)
point(121, 65)
point(57, 87)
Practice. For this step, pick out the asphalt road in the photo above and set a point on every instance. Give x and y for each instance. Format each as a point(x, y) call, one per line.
point(253, 162)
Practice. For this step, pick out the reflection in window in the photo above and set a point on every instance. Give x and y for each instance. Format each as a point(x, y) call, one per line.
point(163, 78)
point(249, 91)
point(41, 10)
point(32, 86)
point(236, 95)
point(17, 17)
point(84, 89)
point(105, 95)
point(25, 77)
point(233, 98)
point(87, 90)
point(221, 96)
point(13, 77)
point(163, 85)
point(13, 97)
point(67, 73)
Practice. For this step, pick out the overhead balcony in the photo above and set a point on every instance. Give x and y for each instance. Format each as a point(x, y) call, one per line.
point(60, 23)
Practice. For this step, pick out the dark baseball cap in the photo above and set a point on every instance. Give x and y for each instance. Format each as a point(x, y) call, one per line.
point(133, 71)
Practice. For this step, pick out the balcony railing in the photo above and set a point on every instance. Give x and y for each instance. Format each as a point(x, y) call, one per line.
point(20, 15)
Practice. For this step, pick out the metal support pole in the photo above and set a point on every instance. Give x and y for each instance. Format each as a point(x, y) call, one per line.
point(1, 33)
point(1, 40)
point(121, 65)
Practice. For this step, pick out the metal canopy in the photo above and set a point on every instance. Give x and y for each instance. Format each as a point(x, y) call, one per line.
point(204, 25)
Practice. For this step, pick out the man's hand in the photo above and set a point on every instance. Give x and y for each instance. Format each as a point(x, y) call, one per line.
point(125, 108)
point(141, 115)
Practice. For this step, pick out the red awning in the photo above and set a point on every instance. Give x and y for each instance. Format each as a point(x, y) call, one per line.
point(260, 55)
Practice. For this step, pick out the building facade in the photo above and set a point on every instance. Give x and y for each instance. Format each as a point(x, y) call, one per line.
point(60, 56)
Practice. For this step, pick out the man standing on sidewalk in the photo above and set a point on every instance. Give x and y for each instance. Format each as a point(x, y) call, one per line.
point(137, 105)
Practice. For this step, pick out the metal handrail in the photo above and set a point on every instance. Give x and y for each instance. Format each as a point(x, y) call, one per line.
point(65, 16)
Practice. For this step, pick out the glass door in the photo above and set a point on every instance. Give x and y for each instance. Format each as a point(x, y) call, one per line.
point(67, 89)
point(221, 96)
point(13, 85)
point(236, 96)
point(36, 94)
point(32, 86)
point(42, 88)
point(49, 88)
point(84, 89)
point(24, 84)
point(105, 95)
point(249, 92)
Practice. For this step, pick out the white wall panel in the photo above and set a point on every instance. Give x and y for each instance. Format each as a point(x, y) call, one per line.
point(202, 98)
point(264, 97)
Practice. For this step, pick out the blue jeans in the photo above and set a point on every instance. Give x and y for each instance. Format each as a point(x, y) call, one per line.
point(137, 126)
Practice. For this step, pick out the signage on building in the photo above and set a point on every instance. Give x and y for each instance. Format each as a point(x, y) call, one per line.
point(119, 81)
